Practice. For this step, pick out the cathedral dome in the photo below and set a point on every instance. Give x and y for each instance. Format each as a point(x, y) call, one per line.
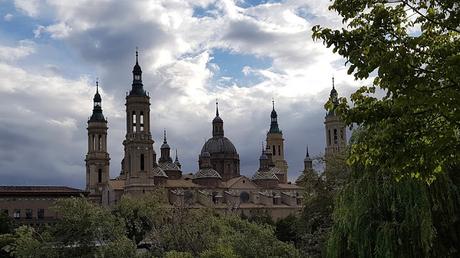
point(207, 173)
point(216, 145)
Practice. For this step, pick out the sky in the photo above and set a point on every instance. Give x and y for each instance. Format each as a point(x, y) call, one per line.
point(242, 52)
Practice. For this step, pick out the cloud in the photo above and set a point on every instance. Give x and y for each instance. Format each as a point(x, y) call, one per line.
point(29, 7)
point(24, 48)
point(8, 17)
point(45, 106)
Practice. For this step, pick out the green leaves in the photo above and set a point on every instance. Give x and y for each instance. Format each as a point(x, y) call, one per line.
point(414, 48)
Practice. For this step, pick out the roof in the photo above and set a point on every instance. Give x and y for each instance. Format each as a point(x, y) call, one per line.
point(219, 144)
point(181, 183)
point(265, 175)
point(237, 181)
point(158, 172)
point(40, 190)
point(207, 173)
point(168, 166)
point(289, 186)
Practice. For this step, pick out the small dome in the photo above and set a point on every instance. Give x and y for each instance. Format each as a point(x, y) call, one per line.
point(219, 145)
point(276, 170)
point(265, 175)
point(137, 68)
point(169, 166)
point(158, 172)
point(206, 173)
point(165, 145)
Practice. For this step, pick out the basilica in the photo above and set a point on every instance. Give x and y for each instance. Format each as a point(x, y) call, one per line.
point(217, 183)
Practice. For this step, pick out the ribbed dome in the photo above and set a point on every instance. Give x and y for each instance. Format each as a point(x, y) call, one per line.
point(219, 145)
point(168, 166)
point(206, 173)
point(158, 172)
point(265, 175)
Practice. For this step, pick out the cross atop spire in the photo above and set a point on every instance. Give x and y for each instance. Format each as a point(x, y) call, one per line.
point(333, 86)
point(217, 108)
point(164, 136)
point(273, 103)
point(137, 55)
point(97, 84)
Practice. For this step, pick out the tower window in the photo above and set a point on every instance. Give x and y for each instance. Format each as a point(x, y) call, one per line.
point(279, 150)
point(134, 121)
point(142, 121)
point(274, 150)
point(99, 175)
point(137, 77)
point(100, 142)
point(142, 162)
point(335, 136)
point(41, 213)
point(341, 134)
point(94, 143)
point(329, 137)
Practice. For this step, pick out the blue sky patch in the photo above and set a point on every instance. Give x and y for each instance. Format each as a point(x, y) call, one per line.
point(231, 67)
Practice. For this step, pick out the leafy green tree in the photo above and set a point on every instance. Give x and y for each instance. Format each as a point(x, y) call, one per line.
point(287, 229)
point(141, 214)
point(412, 47)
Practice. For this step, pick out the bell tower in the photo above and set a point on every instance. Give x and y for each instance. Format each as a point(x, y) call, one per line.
point(275, 142)
point(97, 159)
point(336, 134)
point(138, 143)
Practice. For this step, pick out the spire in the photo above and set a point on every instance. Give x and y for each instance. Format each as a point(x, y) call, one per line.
point(217, 124)
point(334, 98)
point(176, 160)
point(308, 154)
point(97, 115)
point(274, 120)
point(137, 86)
point(165, 155)
point(164, 136)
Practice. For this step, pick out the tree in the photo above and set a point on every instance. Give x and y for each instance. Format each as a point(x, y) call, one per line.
point(375, 215)
point(412, 47)
point(141, 214)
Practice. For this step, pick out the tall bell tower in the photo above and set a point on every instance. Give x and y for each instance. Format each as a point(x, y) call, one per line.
point(336, 133)
point(138, 143)
point(275, 142)
point(97, 159)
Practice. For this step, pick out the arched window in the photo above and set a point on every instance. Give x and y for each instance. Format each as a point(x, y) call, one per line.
point(244, 197)
point(274, 150)
point(94, 143)
point(142, 162)
point(141, 121)
point(335, 136)
point(279, 150)
point(99, 140)
point(134, 121)
point(99, 175)
point(329, 137)
point(341, 134)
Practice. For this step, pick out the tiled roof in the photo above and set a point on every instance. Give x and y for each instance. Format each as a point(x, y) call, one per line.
point(40, 190)
point(264, 175)
point(289, 186)
point(169, 166)
point(158, 172)
point(181, 183)
point(207, 173)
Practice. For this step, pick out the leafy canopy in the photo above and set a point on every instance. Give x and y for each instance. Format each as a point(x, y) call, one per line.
point(412, 48)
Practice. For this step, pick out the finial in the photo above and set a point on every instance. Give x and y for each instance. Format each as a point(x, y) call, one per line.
point(308, 154)
point(333, 86)
point(137, 54)
point(164, 136)
point(217, 108)
point(177, 159)
point(97, 84)
point(273, 103)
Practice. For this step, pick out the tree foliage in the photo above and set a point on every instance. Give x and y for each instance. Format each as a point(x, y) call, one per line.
point(412, 47)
